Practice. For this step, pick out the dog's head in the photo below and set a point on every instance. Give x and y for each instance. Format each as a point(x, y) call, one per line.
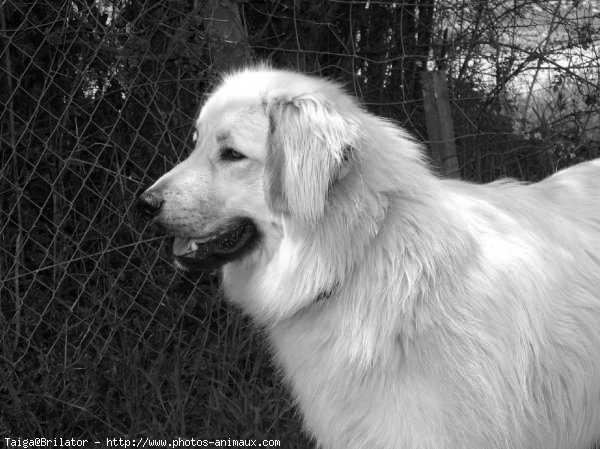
point(270, 147)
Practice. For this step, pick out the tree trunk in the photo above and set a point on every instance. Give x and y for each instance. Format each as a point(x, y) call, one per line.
point(229, 44)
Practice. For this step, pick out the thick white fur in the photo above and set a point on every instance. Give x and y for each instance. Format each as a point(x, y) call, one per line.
point(450, 315)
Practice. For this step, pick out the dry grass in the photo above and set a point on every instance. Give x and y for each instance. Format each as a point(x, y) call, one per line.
point(154, 354)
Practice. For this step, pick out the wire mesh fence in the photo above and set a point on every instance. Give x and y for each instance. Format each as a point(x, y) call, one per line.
point(99, 335)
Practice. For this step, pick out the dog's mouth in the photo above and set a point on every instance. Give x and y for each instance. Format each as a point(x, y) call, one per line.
point(217, 248)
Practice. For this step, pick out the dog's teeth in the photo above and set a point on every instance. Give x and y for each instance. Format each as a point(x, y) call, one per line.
point(193, 246)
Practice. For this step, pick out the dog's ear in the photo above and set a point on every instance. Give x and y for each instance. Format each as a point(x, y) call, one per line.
point(310, 144)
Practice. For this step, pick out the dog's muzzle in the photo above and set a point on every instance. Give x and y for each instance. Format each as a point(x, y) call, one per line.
point(229, 242)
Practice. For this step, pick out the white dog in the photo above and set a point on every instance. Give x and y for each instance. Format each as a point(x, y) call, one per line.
point(406, 311)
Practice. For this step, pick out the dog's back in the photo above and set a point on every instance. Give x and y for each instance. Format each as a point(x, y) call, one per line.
point(575, 192)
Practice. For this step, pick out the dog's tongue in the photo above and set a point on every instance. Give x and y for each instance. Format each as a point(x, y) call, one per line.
point(183, 246)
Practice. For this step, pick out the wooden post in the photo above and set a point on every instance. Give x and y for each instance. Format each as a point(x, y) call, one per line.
point(440, 126)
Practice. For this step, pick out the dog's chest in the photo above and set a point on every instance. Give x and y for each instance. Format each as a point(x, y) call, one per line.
point(345, 404)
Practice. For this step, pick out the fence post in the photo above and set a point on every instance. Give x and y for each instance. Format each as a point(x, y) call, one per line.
point(440, 126)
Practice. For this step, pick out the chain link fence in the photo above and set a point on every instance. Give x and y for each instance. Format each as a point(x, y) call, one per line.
point(99, 335)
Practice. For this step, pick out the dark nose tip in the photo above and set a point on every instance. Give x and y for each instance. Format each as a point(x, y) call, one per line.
point(149, 204)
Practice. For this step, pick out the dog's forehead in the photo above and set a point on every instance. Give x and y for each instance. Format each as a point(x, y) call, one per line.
point(242, 96)
point(252, 86)
point(230, 114)
point(222, 105)
point(238, 122)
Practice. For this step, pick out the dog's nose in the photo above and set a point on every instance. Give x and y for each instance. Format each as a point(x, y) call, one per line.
point(149, 204)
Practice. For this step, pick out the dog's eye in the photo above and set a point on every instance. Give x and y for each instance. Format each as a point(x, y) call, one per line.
point(229, 154)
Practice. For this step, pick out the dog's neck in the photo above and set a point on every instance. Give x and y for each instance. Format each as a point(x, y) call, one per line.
point(321, 299)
